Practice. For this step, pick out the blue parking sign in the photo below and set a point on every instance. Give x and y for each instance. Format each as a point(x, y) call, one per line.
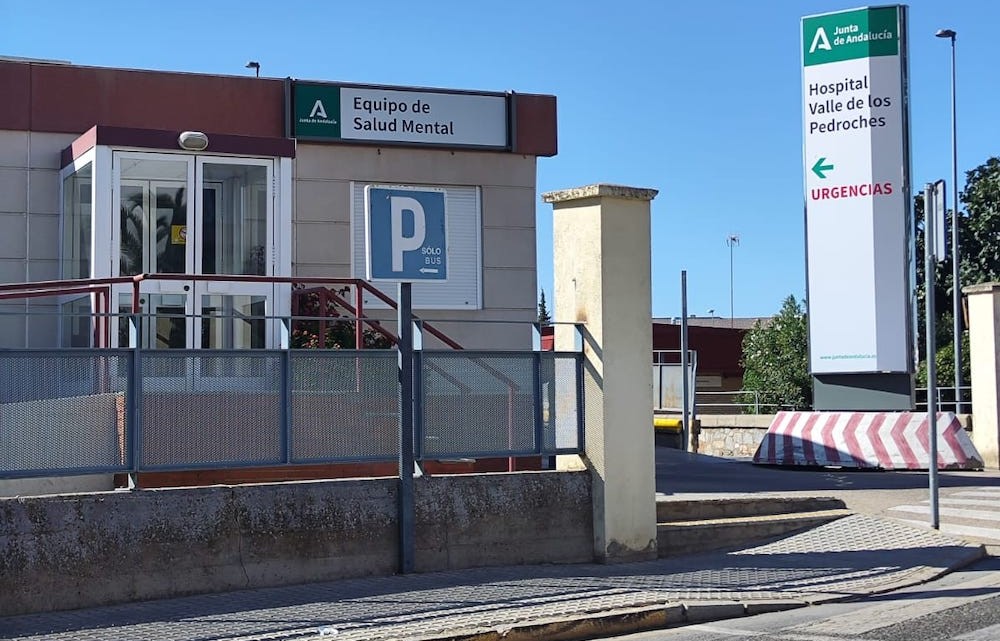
point(406, 234)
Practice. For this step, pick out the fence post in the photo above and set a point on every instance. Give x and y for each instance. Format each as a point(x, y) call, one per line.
point(536, 389)
point(418, 393)
point(581, 418)
point(134, 412)
point(286, 404)
point(404, 348)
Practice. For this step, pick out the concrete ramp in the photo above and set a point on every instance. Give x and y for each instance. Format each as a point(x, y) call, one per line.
point(886, 440)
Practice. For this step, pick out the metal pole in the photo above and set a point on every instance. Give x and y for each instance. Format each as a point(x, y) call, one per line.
point(133, 400)
point(406, 464)
point(685, 383)
point(731, 240)
point(929, 263)
point(956, 286)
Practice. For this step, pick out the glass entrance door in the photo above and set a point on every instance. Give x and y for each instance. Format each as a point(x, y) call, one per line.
point(225, 229)
point(151, 194)
point(235, 229)
point(154, 206)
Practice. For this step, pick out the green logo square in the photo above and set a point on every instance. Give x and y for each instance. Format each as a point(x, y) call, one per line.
point(316, 111)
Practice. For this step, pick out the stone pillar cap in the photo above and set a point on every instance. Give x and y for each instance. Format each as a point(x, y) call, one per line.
point(600, 190)
point(981, 288)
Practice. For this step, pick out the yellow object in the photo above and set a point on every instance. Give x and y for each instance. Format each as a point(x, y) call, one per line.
point(178, 234)
point(666, 423)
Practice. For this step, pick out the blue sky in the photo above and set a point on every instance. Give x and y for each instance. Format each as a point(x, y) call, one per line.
point(700, 100)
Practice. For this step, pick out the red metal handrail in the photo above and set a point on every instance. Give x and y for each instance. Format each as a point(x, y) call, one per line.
point(68, 286)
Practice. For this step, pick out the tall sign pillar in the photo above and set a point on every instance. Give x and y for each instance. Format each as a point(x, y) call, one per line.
point(601, 242)
point(857, 209)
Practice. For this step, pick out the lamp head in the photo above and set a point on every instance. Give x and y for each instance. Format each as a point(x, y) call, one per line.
point(945, 33)
point(192, 141)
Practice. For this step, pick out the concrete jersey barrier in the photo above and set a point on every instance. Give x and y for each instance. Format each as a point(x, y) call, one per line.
point(887, 440)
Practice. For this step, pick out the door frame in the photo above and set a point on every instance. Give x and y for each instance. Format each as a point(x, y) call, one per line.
point(194, 250)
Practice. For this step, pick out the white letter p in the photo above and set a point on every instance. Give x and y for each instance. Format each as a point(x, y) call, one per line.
point(401, 243)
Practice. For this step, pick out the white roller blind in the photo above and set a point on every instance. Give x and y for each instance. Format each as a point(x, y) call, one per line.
point(463, 289)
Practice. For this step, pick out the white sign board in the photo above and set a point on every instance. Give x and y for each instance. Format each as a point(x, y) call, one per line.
point(408, 116)
point(856, 190)
point(940, 230)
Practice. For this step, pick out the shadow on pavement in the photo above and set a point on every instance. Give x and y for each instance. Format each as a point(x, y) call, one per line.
point(431, 598)
point(680, 472)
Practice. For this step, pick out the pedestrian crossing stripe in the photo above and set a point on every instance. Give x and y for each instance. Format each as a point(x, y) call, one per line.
point(952, 511)
point(961, 530)
point(974, 502)
point(980, 494)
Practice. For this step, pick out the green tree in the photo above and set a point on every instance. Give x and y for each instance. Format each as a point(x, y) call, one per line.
point(543, 311)
point(979, 263)
point(775, 361)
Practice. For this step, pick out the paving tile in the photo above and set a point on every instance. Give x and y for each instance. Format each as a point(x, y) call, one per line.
point(854, 555)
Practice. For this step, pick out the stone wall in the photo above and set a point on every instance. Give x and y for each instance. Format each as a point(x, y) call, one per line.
point(73, 551)
point(732, 436)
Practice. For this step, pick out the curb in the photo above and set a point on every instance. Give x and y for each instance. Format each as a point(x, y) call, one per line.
point(917, 576)
point(624, 621)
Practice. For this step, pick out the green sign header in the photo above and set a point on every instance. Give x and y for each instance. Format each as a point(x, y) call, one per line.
point(861, 33)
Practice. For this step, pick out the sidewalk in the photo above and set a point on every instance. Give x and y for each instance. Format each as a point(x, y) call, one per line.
point(854, 556)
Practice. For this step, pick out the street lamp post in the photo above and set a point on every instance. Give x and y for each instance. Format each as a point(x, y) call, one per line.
point(956, 288)
point(731, 240)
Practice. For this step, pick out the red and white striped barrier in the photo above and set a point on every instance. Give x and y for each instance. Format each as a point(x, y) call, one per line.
point(887, 440)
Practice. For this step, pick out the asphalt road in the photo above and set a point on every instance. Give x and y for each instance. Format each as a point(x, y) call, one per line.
point(682, 474)
point(963, 606)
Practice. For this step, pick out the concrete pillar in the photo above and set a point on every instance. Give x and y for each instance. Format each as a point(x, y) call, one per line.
point(602, 280)
point(984, 349)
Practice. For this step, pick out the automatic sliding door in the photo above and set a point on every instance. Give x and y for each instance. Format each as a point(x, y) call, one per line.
point(197, 215)
point(154, 209)
point(235, 232)
point(234, 210)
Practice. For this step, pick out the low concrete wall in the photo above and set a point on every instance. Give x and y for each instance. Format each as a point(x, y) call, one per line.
point(503, 519)
point(62, 552)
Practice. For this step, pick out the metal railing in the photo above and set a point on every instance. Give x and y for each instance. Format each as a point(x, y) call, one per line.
point(749, 401)
point(668, 383)
point(736, 402)
point(946, 399)
point(130, 410)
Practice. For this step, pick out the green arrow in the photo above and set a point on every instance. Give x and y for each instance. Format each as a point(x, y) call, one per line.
point(819, 167)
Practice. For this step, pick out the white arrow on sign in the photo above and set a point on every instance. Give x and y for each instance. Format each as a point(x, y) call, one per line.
point(428, 270)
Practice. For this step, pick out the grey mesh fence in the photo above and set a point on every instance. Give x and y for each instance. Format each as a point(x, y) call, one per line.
point(63, 412)
point(344, 405)
point(204, 408)
point(562, 411)
point(479, 404)
point(71, 411)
